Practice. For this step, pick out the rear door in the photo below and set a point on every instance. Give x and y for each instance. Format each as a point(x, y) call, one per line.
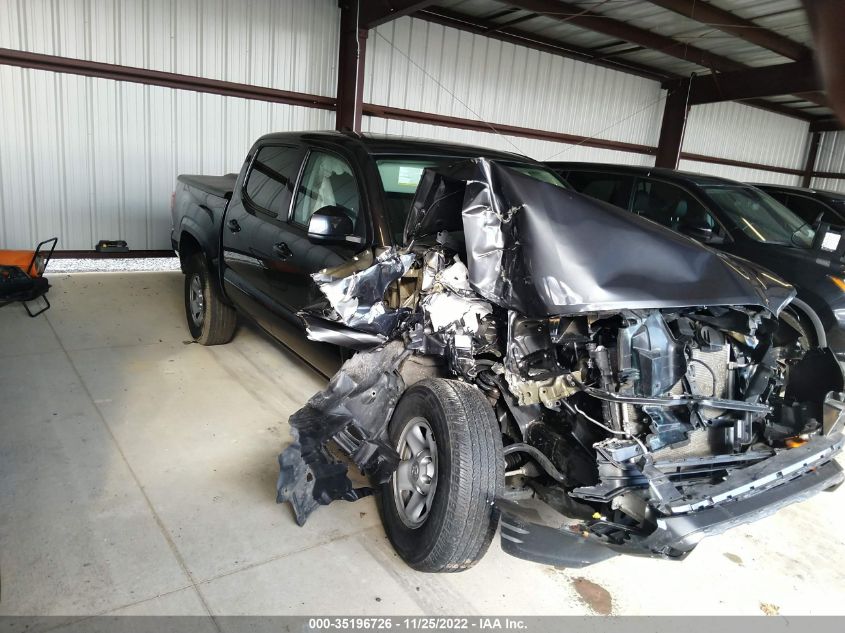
point(255, 231)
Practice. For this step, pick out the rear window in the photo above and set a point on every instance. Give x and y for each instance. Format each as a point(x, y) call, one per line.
point(270, 181)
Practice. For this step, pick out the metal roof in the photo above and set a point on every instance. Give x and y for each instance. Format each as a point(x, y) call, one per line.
point(784, 18)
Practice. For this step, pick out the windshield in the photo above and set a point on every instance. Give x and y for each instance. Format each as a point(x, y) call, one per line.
point(761, 217)
point(401, 175)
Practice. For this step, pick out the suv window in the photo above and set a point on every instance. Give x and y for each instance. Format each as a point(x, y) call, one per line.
point(670, 206)
point(327, 181)
point(759, 216)
point(269, 185)
point(612, 188)
point(807, 209)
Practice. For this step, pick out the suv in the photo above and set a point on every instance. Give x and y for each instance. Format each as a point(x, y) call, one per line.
point(811, 205)
point(741, 220)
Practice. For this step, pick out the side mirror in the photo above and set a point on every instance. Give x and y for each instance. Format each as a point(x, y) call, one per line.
point(332, 225)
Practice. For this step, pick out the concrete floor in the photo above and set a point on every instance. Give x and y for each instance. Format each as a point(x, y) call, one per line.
point(137, 476)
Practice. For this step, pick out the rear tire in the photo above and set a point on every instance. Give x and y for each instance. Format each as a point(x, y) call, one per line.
point(210, 321)
point(453, 529)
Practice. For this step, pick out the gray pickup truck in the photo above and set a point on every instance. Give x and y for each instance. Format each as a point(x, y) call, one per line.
point(527, 356)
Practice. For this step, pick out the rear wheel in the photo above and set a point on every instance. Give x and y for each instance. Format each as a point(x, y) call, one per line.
point(210, 321)
point(437, 506)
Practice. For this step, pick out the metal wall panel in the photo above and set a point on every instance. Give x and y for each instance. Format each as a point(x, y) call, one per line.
point(831, 157)
point(89, 159)
point(537, 149)
point(419, 65)
point(740, 132)
point(742, 174)
point(284, 44)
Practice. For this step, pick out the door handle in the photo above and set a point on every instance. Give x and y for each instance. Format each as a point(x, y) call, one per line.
point(282, 250)
point(233, 225)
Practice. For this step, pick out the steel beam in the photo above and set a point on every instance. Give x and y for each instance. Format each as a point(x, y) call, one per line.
point(375, 12)
point(350, 67)
point(593, 21)
point(728, 22)
point(812, 153)
point(672, 129)
point(768, 81)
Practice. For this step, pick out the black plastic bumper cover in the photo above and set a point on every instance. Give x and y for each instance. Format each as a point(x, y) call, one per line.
point(674, 537)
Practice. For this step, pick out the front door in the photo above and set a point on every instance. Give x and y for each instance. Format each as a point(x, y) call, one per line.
point(327, 181)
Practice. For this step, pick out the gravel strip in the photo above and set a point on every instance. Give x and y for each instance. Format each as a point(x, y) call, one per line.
point(117, 264)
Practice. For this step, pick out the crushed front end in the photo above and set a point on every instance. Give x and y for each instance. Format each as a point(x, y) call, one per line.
point(647, 393)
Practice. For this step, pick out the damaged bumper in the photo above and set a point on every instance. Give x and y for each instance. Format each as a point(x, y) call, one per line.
point(741, 498)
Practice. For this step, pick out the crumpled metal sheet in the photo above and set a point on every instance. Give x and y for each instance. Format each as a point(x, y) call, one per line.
point(543, 251)
point(353, 410)
point(358, 299)
point(325, 331)
point(450, 303)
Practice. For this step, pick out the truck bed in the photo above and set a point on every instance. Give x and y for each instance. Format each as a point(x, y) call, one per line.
point(220, 186)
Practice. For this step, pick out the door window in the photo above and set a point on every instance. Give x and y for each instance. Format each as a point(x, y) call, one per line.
point(670, 206)
point(807, 209)
point(328, 181)
point(612, 188)
point(269, 185)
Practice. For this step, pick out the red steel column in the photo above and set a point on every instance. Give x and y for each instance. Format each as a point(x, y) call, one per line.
point(350, 68)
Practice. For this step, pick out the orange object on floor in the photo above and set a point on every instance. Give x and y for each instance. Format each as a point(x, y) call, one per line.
point(25, 260)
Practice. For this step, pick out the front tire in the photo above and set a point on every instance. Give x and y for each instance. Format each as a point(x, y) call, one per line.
point(438, 507)
point(210, 321)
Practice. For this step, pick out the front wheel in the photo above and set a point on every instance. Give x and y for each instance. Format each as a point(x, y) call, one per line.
point(438, 506)
point(210, 321)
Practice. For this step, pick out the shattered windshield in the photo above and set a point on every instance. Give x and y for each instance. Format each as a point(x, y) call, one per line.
point(761, 217)
point(400, 177)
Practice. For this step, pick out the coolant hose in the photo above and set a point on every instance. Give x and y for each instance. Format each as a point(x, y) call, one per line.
point(544, 461)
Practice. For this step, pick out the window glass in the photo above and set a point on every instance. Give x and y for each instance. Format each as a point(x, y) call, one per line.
point(401, 176)
point(610, 188)
point(761, 217)
point(270, 182)
point(670, 206)
point(805, 208)
point(328, 181)
point(538, 173)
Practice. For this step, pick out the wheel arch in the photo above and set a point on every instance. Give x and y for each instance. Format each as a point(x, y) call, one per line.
point(804, 310)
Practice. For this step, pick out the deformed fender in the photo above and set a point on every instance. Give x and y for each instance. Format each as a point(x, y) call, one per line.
point(353, 411)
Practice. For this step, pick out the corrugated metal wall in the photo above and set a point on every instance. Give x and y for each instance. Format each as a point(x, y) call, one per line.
point(93, 158)
point(831, 157)
point(541, 150)
point(89, 159)
point(739, 132)
point(418, 65)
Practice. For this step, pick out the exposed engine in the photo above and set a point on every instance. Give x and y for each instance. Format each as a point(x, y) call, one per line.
point(612, 412)
point(630, 408)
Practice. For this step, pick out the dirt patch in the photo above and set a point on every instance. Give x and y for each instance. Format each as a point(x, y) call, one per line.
point(769, 609)
point(594, 596)
point(733, 558)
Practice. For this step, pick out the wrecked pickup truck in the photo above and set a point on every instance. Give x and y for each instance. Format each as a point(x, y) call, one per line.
point(594, 382)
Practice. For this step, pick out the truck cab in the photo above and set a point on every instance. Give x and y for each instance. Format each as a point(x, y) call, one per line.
point(302, 202)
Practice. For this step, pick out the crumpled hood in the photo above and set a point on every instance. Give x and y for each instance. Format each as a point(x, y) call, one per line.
point(542, 250)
